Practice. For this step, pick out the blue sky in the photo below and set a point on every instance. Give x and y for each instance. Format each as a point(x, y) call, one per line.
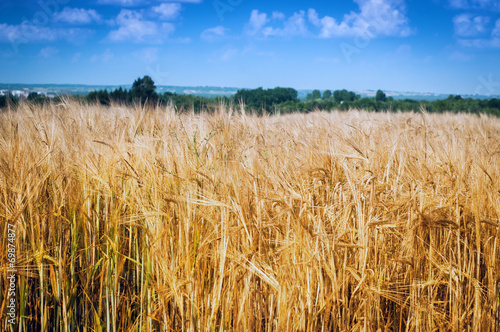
point(441, 46)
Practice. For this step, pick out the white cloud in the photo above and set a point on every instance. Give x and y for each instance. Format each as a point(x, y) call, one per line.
point(167, 28)
point(295, 25)
point(147, 55)
point(77, 16)
point(467, 25)
point(136, 3)
point(181, 1)
point(214, 34)
point(168, 11)
point(375, 18)
point(475, 4)
point(459, 4)
point(496, 30)
point(123, 3)
point(257, 22)
point(480, 42)
point(278, 16)
point(104, 57)
point(25, 33)
point(313, 17)
point(132, 27)
point(48, 52)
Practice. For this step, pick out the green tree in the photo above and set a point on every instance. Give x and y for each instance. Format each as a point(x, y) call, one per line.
point(344, 95)
point(143, 89)
point(119, 95)
point(337, 96)
point(494, 103)
point(440, 105)
point(380, 96)
point(327, 94)
point(316, 94)
point(260, 99)
point(32, 96)
point(103, 97)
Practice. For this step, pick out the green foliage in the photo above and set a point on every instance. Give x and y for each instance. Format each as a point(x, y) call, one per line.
point(380, 96)
point(36, 98)
point(120, 95)
point(32, 95)
point(143, 90)
point(285, 100)
point(101, 96)
point(343, 95)
point(192, 102)
point(260, 99)
point(8, 100)
point(494, 103)
point(316, 94)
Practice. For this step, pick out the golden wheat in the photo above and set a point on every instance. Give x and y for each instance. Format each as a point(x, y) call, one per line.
point(143, 219)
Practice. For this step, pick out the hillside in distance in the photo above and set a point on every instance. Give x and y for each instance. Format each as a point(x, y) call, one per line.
point(209, 91)
point(82, 89)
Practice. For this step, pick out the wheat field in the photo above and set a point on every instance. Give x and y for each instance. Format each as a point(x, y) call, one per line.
point(148, 219)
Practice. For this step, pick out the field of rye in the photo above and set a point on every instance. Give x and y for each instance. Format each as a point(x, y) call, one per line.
point(146, 219)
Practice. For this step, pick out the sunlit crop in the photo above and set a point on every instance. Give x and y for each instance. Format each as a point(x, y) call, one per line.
point(146, 219)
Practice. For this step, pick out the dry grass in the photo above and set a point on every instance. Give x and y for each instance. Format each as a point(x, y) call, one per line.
point(144, 220)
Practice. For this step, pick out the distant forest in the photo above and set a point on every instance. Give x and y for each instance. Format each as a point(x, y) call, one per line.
point(280, 99)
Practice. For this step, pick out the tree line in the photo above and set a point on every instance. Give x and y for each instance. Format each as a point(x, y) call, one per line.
point(143, 91)
point(33, 97)
point(284, 100)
